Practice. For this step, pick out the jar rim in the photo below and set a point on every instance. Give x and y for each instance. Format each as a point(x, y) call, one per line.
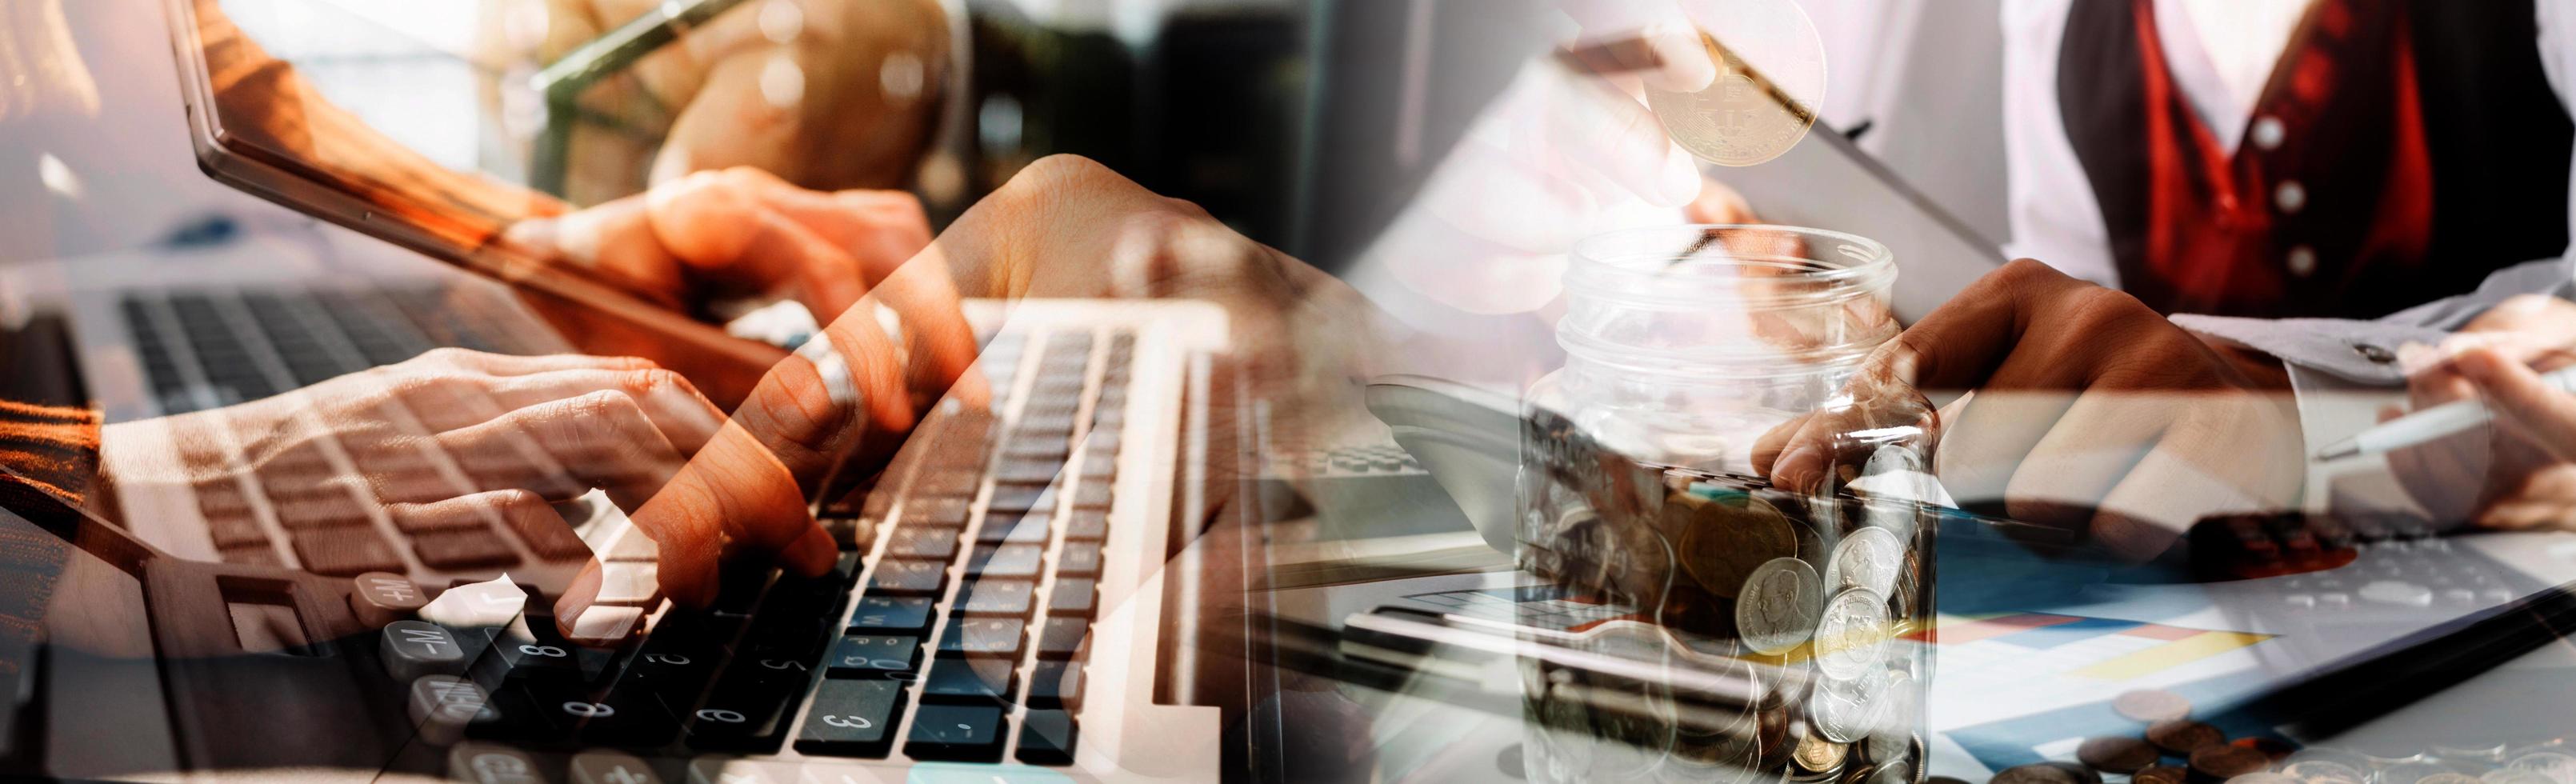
point(1598, 267)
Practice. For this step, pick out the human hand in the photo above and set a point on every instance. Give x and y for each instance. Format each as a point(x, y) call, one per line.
point(710, 237)
point(2520, 472)
point(2085, 410)
point(780, 85)
point(1063, 228)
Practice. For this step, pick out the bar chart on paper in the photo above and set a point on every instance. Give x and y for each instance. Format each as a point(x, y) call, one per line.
point(1998, 666)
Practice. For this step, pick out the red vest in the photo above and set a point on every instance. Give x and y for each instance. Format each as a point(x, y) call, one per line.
point(2360, 186)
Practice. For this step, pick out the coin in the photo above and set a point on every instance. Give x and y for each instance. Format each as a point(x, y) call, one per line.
point(1771, 73)
point(2152, 705)
point(2445, 778)
point(2221, 761)
point(2046, 773)
point(1848, 710)
point(2262, 777)
point(2558, 767)
point(1776, 611)
point(2511, 776)
point(2116, 754)
point(2158, 774)
point(2409, 772)
point(1852, 636)
point(1891, 737)
point(2184, 737)
point(1721, 544)
point(1868, 558)
point(1817, 754)
point(2320, 771)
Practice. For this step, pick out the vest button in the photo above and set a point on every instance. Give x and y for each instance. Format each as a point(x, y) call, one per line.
point(2290, 196)
point(2302, 261)
point(2268, 132)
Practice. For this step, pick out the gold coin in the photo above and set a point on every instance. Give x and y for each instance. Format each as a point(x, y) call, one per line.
point(1771, 76)
point(1722, 544)
point(1817, 754)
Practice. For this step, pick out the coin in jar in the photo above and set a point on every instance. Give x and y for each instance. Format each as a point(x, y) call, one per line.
point(1777, 608)
point(2262, 777)
point(2159, 774)
point(1851, 638)
point(2221, 761)
point(1848, 710)
point(2511, 776)
point(1721, 544)
point(2446, 778)
point(2181, 737)
point(1869, 558)
point(2116, 754)
point(2558, 767)
point(2046, 773)
point(2408, 772)
point(2322, 771)
point(2152, 705)
point(1817, 754)
point(1891, 739)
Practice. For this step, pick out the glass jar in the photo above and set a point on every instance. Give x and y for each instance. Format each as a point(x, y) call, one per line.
point(1685, 347)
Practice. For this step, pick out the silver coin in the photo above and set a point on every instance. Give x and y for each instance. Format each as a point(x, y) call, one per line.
point(1869, 558)
point(1777, 609)
point(2558, 767)
point(1845, 710)
point(2511, 776)
point(1890, 735)
point(2437, 778)
point(2325, 770)
point(1851, 638)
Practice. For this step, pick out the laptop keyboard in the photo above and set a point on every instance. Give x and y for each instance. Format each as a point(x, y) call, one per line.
point(985, 537)
point(202, 350)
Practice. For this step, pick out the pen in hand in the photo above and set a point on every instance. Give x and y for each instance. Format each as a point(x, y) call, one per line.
point(2429, 424)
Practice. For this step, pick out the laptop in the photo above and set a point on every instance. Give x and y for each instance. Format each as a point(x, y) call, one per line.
point(1008, 603)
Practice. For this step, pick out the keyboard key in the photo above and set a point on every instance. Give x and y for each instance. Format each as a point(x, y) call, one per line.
point(380, 598)
point(530, 648)
point(1010, 560)
point(1046, 738)
point(977, 681)
point(1072, 597)
point(1037, 447)
point(1081, 559)
point(949, 483)
point(1011, 500)
point(530, 711)
point(852, 718)
point(851, 533)
point(1061, 638)
point(964, 733)
point(610, 767)
point(908, 578)
point(236, 529)
point(742, 714)
point(996, 597)
point(1055, 684)
point(462, 548)
point(1092, 495)
point(870, 656)
point(344, 551)
point(630, 719)
point(999, 528)
point(914, 541)
point(982, 637)
point(883, 614)
point(1087, 525)
point(1033, 472)
point(412, 649)
point(674, 664)
point(945, 512)
point(485, 763)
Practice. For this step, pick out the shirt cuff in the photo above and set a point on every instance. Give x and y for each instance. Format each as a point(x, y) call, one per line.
point(2358, 351)
point(2341, 374)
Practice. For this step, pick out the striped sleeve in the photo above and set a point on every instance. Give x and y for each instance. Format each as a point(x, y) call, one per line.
point(45, 453)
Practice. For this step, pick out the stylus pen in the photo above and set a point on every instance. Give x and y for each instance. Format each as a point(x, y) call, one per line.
point(623, 46)
point(2429, 424)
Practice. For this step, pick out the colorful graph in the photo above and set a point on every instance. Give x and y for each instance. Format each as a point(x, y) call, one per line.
point(2144, 648)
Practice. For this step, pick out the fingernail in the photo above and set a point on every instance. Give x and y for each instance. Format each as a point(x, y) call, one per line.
point(604, 626)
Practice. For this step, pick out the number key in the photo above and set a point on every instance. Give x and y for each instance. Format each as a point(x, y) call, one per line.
point(882, 614)
point(852, 718)
point(865, 656)
point(965, 733)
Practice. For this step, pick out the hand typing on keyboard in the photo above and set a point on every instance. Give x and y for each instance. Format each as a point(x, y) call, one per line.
point(443, 449)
